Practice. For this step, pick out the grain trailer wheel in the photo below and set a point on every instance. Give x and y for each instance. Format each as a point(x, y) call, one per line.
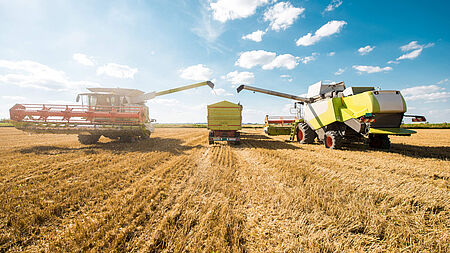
point(379, 141)
point(237, 135)
point(88, 139)
point(210, 135)
point(332, 140)
point(305, 135)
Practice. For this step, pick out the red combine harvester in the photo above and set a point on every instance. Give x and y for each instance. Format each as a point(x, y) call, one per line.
point(112, 112)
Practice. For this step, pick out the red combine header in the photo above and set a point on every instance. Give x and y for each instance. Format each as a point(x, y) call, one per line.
point(77, 114)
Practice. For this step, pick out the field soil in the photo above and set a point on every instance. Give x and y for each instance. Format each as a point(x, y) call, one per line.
point(176, 193)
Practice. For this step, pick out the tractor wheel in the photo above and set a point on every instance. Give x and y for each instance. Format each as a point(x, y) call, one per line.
point(332, 140)
point(379, 141)
point(145, 137)
point(88, 139)
point(305, 135)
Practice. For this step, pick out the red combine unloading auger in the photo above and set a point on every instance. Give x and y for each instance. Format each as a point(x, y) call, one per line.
point(112, 112)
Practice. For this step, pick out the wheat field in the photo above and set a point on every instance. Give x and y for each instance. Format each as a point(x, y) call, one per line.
point(176, 193)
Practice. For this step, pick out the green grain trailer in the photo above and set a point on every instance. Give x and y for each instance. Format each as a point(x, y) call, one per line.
point(224, 122)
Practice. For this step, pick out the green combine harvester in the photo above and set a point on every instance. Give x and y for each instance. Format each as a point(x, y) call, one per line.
point(336, 115)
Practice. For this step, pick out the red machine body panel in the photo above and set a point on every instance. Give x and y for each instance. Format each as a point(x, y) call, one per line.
point(77, 114)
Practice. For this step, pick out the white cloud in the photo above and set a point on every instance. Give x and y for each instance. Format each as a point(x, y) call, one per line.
point(419, 90)
point(253, 58)
point(393, 62)
point(331, 53)
point(410, 46)
point(428, 93)
point(267, 60)
point(255, 36)
point(333, 5)
point(282, 15)
point(417, 50)
point(339, 72)
point(83, 59)
point(221, 92)
point(370, 69)
point(307, 59)
point(14, 98)
point(443, 81)
point(411, 55)
point(36, 75)
point(197, 72)
point(287, 78)
point(282, 61)
point(117, 70)
point(326, 30)
point(236, 77)
point(365, 50)
point(164, 101)
point(224, 10)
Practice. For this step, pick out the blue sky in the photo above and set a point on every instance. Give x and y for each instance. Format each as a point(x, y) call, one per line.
point(52, 50)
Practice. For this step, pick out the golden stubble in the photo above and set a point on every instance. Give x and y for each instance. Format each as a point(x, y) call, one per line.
point(175, 193)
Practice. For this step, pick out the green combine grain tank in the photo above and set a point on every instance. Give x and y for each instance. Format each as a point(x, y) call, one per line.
point(224, 122)
point(336, 115)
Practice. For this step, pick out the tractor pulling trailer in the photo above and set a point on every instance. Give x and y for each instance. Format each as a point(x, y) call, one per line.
point(337, 115)
point(115, 113)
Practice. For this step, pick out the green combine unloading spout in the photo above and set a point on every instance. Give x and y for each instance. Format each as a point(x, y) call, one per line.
point(271, 92)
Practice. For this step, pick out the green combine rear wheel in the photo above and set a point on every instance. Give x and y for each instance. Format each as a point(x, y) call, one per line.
point(379, 141)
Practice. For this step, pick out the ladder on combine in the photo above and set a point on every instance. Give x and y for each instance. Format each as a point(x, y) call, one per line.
point(293, 130)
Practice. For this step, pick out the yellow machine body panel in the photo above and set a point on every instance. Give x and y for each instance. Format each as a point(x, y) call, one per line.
point(391, 131)
point(327, 111)
point(224, 116)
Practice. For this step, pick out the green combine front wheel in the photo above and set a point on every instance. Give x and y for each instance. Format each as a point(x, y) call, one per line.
point(332, 140)
point(305, 135)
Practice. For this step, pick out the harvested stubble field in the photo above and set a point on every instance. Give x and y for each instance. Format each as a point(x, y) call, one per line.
point(175, 193)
